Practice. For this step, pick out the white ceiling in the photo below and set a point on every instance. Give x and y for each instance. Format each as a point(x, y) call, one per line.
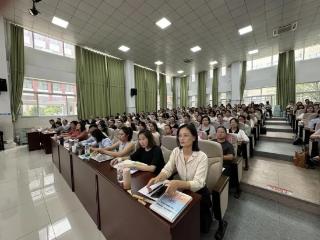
point(212, 24)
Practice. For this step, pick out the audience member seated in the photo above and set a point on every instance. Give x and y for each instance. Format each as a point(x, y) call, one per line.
point(229, 163)
point(191, 164)
point(81, 131)
point(90, 141)
point(112, 124)
point(242, 139)
point(65, 125)
point(122, 148)
point(73, 130)
point(148, 153)
point(155, 132)
point(103, 127)
point(206, 127)
point(101, 140)
point(168, 130)
point(52, 124)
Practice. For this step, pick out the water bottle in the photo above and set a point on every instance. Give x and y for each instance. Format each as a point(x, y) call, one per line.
point(87, 150)
point(120, 174)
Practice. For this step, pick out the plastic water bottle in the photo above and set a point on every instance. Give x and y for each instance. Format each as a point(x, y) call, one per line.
point(120, 174)
point(87, 150)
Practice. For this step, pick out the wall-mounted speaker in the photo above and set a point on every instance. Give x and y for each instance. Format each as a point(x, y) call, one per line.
point(3, 85)
point(133, 92)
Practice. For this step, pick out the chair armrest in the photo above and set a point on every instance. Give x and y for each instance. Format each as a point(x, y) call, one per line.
point(221, 184)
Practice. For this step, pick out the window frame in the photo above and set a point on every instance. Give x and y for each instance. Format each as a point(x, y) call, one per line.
point(49, 93)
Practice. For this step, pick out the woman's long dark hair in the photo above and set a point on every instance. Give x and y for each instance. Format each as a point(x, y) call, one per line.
point(194, 133)
point(149, 136)
point(98, 135)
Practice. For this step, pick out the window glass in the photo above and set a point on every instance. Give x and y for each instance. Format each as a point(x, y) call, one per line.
point(29, 107)
point(28, 39)
point(223, 71)
point(249, 65)
point(261, 63)
point(46, 98)
point(69, 50)
point(312, 52)
point(275, 59)
point(298, 54)
point(47, 44)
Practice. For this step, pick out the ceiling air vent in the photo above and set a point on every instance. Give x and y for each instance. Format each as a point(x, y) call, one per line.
point(286, 28)
point(187, 60)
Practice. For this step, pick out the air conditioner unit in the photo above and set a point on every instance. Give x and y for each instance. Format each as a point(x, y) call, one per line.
point(283, 29)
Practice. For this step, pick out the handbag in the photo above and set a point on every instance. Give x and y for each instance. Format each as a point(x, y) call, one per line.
point(299, 158)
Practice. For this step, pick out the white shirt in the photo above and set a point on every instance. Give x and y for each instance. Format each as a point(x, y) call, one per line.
point(156, 137)
point(194, 170)
point(241, 136)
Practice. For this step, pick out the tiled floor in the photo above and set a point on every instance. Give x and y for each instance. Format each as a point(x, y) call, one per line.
point(254, 218)
point(37, 204)
point(277, 147)
point(302, 183)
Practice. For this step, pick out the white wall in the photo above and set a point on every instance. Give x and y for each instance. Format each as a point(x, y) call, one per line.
point(38, 122)
point(306, 71)
point(43, 65)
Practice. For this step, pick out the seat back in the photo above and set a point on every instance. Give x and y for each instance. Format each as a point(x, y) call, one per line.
point(135, 135)
point(111, 133)
point(215, 161)
point(169, 142)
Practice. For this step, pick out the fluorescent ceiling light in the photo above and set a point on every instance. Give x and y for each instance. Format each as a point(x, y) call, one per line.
point(60, 22)
point(213, 62)
point(158, 63)
point(124, 48)
point(163, 23)
point(180, 71)
point(245, 30)
point(253, 51)
point(195, 49)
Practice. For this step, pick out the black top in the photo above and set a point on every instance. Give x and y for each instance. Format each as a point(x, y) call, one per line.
point(152, 157)
point(227, 148)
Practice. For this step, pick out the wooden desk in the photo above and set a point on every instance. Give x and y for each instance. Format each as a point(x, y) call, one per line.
point(123, 217)
point(33, 140)
point(45, 139)
point(55, 154)
point(66, 168)
point(118, 215)
point(86, 187)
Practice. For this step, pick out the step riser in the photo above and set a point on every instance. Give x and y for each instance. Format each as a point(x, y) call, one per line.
point(281, 198)
point(275, 139)
point(279, 130)
point(276, 119)
point(275, 156)
point(277, 123)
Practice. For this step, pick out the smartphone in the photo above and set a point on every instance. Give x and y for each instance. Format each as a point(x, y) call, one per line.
point(159, 192)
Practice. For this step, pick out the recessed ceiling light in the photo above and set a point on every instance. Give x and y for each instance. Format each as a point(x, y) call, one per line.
point(213, 62)
point(158, 63)
point(180, 71)
point(245, 30)
point(60, 22)
point(195, 49)
point(253, 51)
point(163, 23)
point(124, 48)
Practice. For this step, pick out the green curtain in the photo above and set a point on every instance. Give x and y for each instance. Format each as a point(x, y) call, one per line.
point(116, 85)
point(286, 80)
point(291, 80)
point(202, 89)
point(92, 84)
point(174, 94)
point(163, 91)
point(184, 87)
point(243, 79)
point(139, 78)
point(151, 90)
point(215, 87)
point(16, 68)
